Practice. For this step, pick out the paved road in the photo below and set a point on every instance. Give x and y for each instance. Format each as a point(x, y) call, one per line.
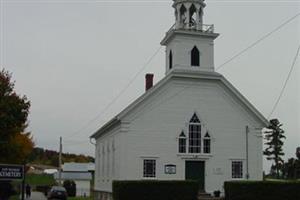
point(37, 196)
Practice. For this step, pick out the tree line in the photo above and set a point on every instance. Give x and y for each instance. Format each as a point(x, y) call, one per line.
point(50, 157)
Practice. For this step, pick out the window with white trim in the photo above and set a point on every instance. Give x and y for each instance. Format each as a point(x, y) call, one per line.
point(206, 143)
point(182, 143)
point(195, 135)
point(237, 169)
point(149, 168)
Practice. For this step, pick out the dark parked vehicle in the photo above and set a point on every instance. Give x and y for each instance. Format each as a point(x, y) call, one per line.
point(57, 192)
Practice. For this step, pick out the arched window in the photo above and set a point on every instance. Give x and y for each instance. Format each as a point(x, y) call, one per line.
point(195, 57)
point(195, 135)
point(206, 143)
point(193, 12)
point(182, 143)
point(183, 14)
point(170, 60)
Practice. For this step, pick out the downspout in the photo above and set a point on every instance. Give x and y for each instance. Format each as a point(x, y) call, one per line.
point(247, 152)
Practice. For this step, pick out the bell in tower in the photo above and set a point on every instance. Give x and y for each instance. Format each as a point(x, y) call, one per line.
point(189, 14)
point(189, 43)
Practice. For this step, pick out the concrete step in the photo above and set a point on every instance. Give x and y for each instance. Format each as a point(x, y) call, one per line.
point(206, 196)
point(203, 194)
point(210, 198)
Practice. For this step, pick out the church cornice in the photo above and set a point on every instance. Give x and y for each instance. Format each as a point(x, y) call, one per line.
point(194, 33)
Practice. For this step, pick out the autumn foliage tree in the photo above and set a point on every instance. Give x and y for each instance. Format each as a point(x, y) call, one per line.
point(15, 143)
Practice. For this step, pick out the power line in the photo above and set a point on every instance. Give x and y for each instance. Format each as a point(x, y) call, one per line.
point(258, 41)
point(156, 52)
point(118, 96)
point(285, 83)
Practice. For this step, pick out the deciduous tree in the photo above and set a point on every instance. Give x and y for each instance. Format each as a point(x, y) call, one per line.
point(14, 110)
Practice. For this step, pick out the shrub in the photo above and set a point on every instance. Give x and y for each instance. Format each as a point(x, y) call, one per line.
point(70, 187)
point(262, 190)
point(158, 190)
point(6, 189)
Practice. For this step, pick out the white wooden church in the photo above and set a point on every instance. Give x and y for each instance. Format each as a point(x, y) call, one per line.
point(193, 124)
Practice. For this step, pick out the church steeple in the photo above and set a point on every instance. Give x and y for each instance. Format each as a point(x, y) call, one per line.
point(189, 42)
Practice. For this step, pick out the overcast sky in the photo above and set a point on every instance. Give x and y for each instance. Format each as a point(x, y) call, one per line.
point(71, 58)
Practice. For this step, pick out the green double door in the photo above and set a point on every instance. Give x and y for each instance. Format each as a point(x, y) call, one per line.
point(194, 170)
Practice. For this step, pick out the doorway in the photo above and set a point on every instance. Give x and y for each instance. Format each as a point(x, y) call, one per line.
point(195, 170)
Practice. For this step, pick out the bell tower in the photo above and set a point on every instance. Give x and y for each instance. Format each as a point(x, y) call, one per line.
point(189, 43)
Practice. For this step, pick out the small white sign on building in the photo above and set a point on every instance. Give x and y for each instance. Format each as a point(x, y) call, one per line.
point(170, 169)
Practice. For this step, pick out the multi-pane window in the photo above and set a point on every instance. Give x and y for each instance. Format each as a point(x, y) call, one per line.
point(195, 142)
point(149, 168)
point(195, 135)
point(182, 143)
point(206, 143)
point(237, 169)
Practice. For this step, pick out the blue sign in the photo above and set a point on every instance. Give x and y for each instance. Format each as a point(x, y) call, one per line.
point(11, 172)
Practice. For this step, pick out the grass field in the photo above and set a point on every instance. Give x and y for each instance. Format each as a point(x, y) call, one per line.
point(15, 197)
point(39, 179)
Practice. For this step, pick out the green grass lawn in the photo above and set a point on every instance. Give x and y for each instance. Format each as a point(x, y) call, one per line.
point(15, 197)
point(282, 180)
point(39, 179)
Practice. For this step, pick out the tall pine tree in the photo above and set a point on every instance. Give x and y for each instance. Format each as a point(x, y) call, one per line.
point(274, 151)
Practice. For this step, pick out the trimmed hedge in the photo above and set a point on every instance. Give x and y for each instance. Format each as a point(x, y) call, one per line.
point(158, 190)
point(262, 190)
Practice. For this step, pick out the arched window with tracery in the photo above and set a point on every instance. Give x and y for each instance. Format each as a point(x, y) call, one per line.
point(182, 143)
point(195, 57)
point(195, 135)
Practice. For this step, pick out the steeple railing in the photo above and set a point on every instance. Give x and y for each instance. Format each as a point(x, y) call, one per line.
point(205, 28)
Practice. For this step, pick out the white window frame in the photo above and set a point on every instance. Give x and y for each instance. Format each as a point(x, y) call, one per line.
point(182, 136)
point(208, 138)
point(239, 176)
point(190, 147)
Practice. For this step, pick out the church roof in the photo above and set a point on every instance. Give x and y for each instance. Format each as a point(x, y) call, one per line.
point(181, 73)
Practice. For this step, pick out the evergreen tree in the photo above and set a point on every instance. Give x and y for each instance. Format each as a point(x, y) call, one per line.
point(298, 153)
point(274, 151)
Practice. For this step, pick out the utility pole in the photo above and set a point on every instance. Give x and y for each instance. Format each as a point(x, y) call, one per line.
point(60, 162)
